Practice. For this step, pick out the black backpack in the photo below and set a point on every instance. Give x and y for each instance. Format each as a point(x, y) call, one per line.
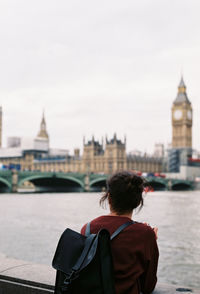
point(84, 263)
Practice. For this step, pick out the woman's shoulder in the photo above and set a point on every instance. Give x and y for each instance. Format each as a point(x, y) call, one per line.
point(142, 230)
point(143, 226)
point(113, 222)
point(109, 222)
point(95, 220)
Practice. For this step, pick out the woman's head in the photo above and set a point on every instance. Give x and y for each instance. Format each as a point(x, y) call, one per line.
point(124, 192)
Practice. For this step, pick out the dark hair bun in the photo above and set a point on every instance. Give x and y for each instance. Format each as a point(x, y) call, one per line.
point(124, 190)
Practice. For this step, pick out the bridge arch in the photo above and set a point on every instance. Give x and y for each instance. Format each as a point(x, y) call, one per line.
point(98, 184)
point(54, 183)
point(157, 185)
point(5, 186)
point(181, 186)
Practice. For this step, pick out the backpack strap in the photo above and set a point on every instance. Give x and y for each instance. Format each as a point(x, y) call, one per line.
point(75, 269)
point(122, 227)
point(84, 253)
point(87, 230)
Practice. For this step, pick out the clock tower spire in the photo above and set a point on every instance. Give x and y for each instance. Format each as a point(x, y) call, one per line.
point(43, 132)
point(181, 119)
point(42, 139)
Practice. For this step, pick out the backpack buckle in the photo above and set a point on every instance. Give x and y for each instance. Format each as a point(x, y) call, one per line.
point(69, 278)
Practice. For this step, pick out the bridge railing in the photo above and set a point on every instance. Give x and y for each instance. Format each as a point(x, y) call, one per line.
point(10, 181)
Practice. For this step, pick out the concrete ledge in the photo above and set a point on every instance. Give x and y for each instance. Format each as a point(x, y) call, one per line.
point(19, 277)
point(8, 286)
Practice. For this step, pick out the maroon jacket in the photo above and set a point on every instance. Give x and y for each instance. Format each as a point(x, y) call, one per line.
point(135, 254)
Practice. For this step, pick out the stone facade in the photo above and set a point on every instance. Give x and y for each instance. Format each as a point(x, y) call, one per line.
point(96, 158)
point(108, 160)
point(182, 119)
point(99, 159)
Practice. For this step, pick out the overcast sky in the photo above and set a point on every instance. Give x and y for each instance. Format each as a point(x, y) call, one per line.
point(98, 67)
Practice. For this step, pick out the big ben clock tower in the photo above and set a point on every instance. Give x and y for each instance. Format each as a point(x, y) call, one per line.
point(182, 119)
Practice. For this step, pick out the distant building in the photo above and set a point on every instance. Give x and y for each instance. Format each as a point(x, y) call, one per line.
point(159, 150)
point(41, 142)
point(136, 152)
point(95, 159)
point(145, 164)
point(27, 143)
point(13, 142)
point(24, 152)
point(35, 154)
point(182, 119)
point(181, 130)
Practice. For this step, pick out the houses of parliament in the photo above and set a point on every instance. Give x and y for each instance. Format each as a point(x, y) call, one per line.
point(98, 157)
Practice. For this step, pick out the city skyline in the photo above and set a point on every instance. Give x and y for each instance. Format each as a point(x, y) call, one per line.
point(102, 139)
point(98, 69)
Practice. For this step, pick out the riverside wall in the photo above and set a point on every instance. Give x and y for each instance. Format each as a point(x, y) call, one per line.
point(21, 277)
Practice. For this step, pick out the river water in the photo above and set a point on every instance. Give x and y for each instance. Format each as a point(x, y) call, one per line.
point(31, 224)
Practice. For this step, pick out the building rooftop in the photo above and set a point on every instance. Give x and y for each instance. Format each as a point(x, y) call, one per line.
point(115, 140)
point(11, 152)
point(92, 142)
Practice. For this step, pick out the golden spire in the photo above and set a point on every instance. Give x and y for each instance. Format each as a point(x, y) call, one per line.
point(43, 132)
point(182, 86)
point(182, 95)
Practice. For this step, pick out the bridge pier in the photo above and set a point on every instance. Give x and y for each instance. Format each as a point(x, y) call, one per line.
point(14, 181)
point(169, 185)
point(87, 183)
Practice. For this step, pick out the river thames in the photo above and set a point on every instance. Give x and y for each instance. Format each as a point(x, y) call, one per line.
point(31, 225)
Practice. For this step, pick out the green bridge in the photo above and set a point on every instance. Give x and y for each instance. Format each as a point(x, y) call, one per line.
point(11, 181)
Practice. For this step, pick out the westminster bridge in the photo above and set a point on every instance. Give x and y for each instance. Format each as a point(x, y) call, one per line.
point(11, 181)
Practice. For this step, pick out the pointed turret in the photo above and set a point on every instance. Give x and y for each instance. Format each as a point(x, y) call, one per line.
point(182, 84)
point(43, 132)
point(124, 139)
point(41, 142)
point(182, 95)
point(106, 139)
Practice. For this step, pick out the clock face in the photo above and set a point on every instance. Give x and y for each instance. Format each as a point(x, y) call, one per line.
point(189, 114)
point(177, 114)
